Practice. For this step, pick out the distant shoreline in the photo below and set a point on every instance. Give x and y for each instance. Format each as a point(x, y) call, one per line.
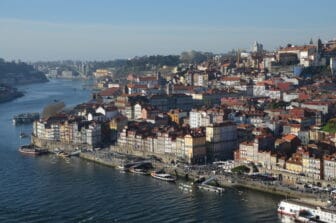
point(11, 97)
point(10, 92)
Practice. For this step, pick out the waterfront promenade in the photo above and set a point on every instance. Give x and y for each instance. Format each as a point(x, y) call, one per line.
point(186, 172)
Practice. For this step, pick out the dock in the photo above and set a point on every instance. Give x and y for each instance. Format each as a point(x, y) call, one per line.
point(205, 186)
point(211, 188)
point(114, 160)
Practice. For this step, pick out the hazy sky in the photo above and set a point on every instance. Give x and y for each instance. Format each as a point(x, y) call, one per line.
point(107, 29)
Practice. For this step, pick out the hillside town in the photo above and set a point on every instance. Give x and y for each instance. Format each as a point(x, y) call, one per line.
point(272, 110)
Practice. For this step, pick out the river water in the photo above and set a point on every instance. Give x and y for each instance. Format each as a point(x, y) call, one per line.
point(48, 189)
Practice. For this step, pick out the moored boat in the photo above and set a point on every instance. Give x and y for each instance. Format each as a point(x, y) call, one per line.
point(303, 212)
point(25, 118)
point(186, 187)
point(139, 171)
point(29, 150)
point(304, 216)
point(63, 154)
point(75, 153)
point(122, 167)
point(163, 176)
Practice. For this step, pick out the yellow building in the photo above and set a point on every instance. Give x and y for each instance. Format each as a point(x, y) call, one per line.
point(294, 166)
point(194, 147)
point(176, 115)
point(116, 126)
point(316, 134)
point(118, 123)
point(102, 73)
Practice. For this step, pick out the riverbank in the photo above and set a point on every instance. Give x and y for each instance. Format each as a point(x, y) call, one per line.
point(108, 158)
point(10, 96)
point(8, 93)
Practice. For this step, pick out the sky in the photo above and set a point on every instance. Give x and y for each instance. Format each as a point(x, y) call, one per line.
point(32, 30)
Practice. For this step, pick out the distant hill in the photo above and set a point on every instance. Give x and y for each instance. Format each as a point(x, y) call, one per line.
point(16, 73)
point(151, 63)
point(137, 64)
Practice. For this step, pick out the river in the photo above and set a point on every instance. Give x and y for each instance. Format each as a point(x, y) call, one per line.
point(48, 189)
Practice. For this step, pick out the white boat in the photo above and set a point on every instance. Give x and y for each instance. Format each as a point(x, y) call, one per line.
point(122, 167)
point(163, 176)
point(75, 153)
point(302, 212)
point(138, 171)
point(29, 150)
point(186, 187)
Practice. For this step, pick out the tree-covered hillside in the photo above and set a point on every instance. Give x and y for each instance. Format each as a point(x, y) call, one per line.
point(13, 73)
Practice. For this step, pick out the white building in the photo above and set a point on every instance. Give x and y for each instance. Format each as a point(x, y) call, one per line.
point(197, 118)
point(93, 134)
point(288, 97)
point(319, 106)
point(109, 112)
point(137, 111)
point(329, 167)
point(333, 65)
point(257, 47)
point(67, 74)
point(307, 54)
point(260, 90)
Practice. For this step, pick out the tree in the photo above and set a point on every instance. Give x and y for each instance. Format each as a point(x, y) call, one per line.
point(194, 57)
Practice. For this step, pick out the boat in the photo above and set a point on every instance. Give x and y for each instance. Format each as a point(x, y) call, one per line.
point(138, 171)
point(25, 118)
point(163, 176)
point(186, 187)
point(122, 167)
point(63, 154)
point(303, 212)
point(29, 150)
point(75, 153)
point(304, 216)
point(56, 151)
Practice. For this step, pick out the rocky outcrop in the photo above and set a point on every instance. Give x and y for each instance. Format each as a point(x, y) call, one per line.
point(8, 93)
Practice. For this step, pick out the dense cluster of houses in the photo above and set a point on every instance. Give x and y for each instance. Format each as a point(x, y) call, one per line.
point(248, 109)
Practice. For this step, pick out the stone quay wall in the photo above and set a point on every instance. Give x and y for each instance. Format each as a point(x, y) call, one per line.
point(50, 145)
point(105, 158)
point(166, 158)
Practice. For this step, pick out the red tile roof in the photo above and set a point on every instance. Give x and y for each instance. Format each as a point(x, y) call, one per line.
point(289, 137)
point(110, 91)
point(297, 48)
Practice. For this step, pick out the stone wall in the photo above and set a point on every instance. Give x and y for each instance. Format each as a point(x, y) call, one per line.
point(167, 158)
point(291, 178)
point(51, 145)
